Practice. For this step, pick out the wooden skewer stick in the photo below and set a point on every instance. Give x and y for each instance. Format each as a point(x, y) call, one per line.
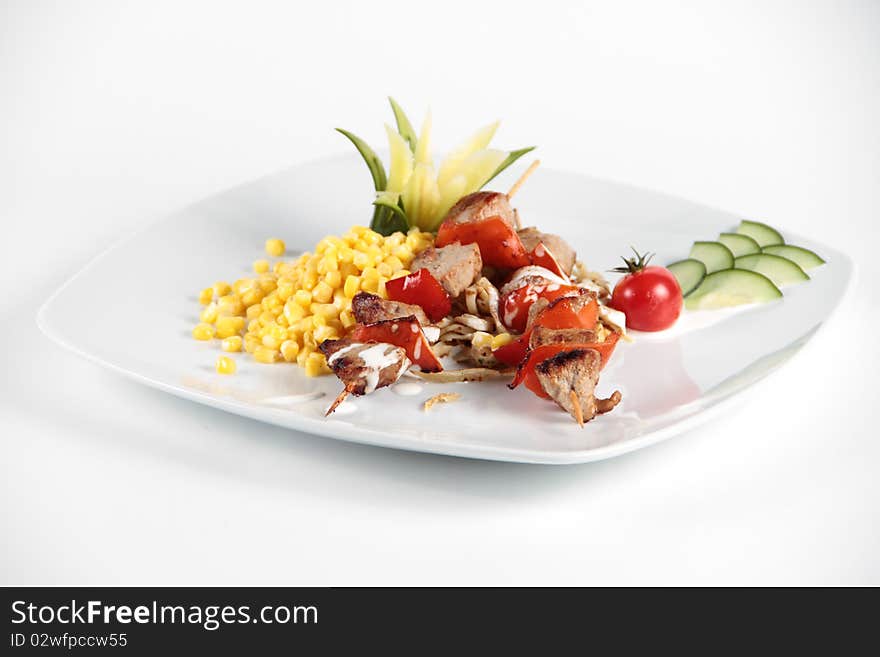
point(576, 403)
point(336, 402)
point(519, 183)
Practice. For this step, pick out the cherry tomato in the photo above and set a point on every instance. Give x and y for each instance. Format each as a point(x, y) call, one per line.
point(649, 296)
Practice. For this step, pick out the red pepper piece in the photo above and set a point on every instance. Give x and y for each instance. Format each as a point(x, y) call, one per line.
point(499, 244)
point(560, 314)
point(514, 352)
point(516, 303)
point(422, 289)
point(543, 257)
point(405, 333)
point(526, 372)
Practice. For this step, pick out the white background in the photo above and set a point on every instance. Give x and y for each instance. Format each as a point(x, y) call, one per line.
point(113, 113)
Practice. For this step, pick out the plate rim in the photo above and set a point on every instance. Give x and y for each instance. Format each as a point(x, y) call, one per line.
point(434, 445)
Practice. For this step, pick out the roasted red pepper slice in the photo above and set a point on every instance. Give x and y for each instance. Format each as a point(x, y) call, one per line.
point(422, 289)
point(405, 333)
point(526, 372)
point(499, 244)
point(560, 314)
point(543, 257)
point(516, 303)
point(514, 352)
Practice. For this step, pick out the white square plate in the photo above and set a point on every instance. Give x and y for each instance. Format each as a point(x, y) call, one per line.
point(139, 300)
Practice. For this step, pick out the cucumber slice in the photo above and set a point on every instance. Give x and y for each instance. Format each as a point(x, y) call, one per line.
point(763, 234)
point(781, 271)
point(714, 255)
point(739, 245)
point(732, 287)
point(804, 258)
point(689, 274)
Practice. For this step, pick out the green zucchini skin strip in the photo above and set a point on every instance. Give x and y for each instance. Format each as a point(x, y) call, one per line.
point(510, 159)
point(404, 127)
point(374, 164)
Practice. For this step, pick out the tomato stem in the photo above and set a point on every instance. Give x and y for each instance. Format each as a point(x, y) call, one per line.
point(634, 265)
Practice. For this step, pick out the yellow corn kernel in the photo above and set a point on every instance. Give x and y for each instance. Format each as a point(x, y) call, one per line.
point(347, 318)
point(253, 312)
point(227, 326)
point(394, 262)
point(400, 273)
point(230, 304)
point(325, 333)
point(225, 365)
point(209, 313)
point(203, 331)
point(403, 252)
point(309, 341)
point(286, 287)
point(261, 266)
point(251, 342)
point(380, 287)
point(263, 354)
point(322, 293)
point(278, 332)
point(324, 310)
point(481, 339)
point(242, 285)
point(252, 297)
point(310, 280)
point(384, 269)
point(361, 259)
point(302, 356)
point(328, 263)
point(333, 279)
point(222, 288)
point(231, 344)
point(345, 255)
point(281, 320)
point(289, 350)
point(303, 298)
point(316, 365)
point(275, 247)
point(268, 282)
point(352, 285)
point(293, 312)
point(370, 285)
point(307, 323)
point(500, 340)
point(206, 296)
point(271, 341)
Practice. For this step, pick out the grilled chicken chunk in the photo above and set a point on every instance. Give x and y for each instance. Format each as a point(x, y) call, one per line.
point(455, 266)
point(543, 335)
point(570, 378)
point(370, 308)
point(364, 367)
point(482, 205)
point(564, 254)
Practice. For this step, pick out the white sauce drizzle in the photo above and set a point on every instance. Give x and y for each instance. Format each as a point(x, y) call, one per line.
point(377, 358)
point(432, 333)
point(531, 270)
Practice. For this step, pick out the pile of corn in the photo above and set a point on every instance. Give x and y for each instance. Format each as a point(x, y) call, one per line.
point(286, 310)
